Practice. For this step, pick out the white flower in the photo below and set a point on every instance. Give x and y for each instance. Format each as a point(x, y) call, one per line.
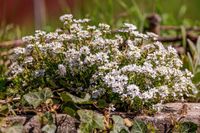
point(131, 68)
point(15, 69)
point(119, 39)
point(39, 33)
point(111, 107)
point(158, 107)
point(65, 37)
point(129, 63)
point(54, 47)
point(28, 39)
point(85, 50)
point(28, 60)
point(17, 52)
point(104, 26)
point(29, 48)
point(152, 35)
point(133, 91)
point(75, 28)
point(97, 93)
point(101, 56)
point(149, 94)
point(61, 70)
point(83, 34)
point(66, 17)
point(131, 27)
point(81, 20)
point(91, 27)
point(109, 66)
point(163, 91)
point(39, 73)
point(51, 35)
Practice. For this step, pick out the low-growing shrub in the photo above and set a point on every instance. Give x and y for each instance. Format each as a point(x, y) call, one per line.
point(125, 68)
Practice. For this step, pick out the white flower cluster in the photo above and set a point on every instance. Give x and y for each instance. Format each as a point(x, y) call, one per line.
point(127, 62)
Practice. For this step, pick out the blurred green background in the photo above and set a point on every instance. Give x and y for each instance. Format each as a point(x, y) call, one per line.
point(22, 17)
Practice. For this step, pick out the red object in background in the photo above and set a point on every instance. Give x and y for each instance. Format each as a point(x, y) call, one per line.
point(21, 12)
point(16, 11)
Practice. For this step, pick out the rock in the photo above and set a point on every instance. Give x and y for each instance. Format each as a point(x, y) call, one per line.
point(66, 124)
point(173, 112)
point(32, 124)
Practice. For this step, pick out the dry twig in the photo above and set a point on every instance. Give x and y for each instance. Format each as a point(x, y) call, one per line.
point(11, 44)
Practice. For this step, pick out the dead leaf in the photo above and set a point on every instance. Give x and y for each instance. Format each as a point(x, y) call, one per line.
point(127, 122)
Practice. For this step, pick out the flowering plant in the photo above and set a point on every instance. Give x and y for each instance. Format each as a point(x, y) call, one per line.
point(122, 66)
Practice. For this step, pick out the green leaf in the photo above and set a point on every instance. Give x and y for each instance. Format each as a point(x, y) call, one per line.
point(4, 109)
point(101, 103)
point(139, 127)
point(183, 32)
point(198, 45)
point(36, 98)
point(191, 62)
point(192, 47)
point(15, 128)
point(33, 99)
point(49, 128)
point(188, 127)
point(90, 120)
point(2, 84)
point(182, 11)
point(49, 117)
point(186, 63)
point(196, 78)
point(66, 97)
point(46, 93)
point(118, 125)
point(70, 111)
point(52, 83)
point(123, 4)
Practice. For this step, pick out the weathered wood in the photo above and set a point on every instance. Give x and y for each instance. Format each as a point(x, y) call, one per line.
point(11, 44)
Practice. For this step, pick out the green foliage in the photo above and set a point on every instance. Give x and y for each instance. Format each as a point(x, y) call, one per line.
point(118, 124)
point(196, 78)
point(187, 127)
point(151, 128)
point(36, 98)
point(90, 121)
point(101, 103)
point(192, 62)
point(15, 128)
point(49, 128)
point(81, 60)
point(4, 109)
point(193, 58)
point(9, 32)
point(66, 97)
point(136, 104)
point(139, 127)
point(3, 85)
point(114, 13)
point(48, 118)
point(70, 111)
